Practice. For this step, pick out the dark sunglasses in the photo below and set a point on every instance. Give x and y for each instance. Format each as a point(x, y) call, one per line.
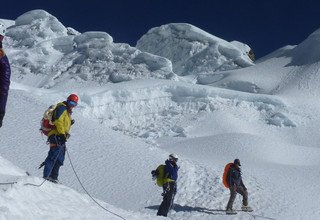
point(174, 159)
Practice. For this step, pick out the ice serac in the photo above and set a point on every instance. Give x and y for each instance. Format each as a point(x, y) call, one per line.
point(194, 51)
point(40, 46)
point(34, 27)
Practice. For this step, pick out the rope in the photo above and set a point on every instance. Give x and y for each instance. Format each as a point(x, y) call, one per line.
point(31, 184)
point(8, 183)
point(87, 191)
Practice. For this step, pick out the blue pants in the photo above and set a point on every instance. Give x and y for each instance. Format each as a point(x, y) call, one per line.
point(54, 159)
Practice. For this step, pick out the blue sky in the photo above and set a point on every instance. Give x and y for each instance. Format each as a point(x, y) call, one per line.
point(264, 25)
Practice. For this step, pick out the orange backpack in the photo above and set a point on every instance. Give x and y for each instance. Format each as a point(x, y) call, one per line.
point(225, 175)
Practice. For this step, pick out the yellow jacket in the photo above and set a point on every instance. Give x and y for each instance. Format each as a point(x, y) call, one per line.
point(61, 120)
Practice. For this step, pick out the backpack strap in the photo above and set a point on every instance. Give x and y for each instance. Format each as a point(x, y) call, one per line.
point(61, 107)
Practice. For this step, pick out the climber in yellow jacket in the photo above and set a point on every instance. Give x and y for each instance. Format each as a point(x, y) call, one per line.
point(58, 136)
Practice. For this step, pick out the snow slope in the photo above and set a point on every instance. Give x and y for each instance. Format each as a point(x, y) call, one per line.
point(290, 72)
point(26, 199)
point(267, 115)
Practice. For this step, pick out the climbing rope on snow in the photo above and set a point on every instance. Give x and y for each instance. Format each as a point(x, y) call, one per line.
point(87, 190)
point(37, 185)
point(55, 160)
point(8, 183)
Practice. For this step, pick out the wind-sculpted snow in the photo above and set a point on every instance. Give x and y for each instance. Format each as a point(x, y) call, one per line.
point(7, 23)
point(192, 50)
point(307, 52)
point(39, 46)
point(158, 110)
point(34, 27)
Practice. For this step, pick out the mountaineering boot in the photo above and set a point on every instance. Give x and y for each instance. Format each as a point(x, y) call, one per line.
point(246, 208)
point(51, 180)
point(231, 212)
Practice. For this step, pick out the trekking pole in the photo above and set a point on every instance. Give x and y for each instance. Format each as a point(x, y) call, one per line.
point(88, 192)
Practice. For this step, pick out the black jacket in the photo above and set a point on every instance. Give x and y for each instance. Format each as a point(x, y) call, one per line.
point(234, 177)
point(5, 73)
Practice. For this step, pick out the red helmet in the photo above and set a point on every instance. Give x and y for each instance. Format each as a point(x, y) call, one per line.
point(73, 98)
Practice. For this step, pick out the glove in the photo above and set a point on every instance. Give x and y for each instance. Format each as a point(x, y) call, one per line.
point(154, 174)
point(167, 188)
point(72, 121)
point(62, 138)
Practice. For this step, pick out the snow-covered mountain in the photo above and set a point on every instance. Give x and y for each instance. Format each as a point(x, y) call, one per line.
point(266, 114)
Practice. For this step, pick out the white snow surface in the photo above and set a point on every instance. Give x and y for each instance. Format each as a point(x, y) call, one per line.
point(267, 115)
point(194, 51)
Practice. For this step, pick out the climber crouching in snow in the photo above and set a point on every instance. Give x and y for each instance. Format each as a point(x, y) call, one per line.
point(58, 136)
point(167, 176)
point(236, 185)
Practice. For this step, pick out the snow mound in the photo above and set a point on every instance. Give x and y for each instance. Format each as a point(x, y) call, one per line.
point(8, 169)
point(7, 23)
point(34, 27)
point(307, 52)
point(40, 47)
point(192, 50)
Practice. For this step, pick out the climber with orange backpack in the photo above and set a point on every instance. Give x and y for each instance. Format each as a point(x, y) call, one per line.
point(56, 124)
point(232, 179)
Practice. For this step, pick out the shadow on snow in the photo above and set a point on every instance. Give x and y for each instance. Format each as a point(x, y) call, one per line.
point(185, 208)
